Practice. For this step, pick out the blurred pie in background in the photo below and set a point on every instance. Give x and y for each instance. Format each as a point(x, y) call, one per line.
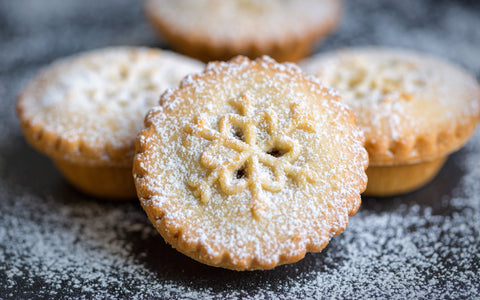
point(286, 30)
point(414, 110)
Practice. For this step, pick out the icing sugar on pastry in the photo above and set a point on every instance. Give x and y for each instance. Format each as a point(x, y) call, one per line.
point(216, 29)
point(244, 169)
point(249, 165)
point(84, 112)
point(414, 110)
point(385, 81)
point(410, 106)
point(99, 99)
point(244, 18)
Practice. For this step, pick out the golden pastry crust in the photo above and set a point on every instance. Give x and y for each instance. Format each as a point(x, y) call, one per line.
point(249, 165)
point(412, 107)
point(218, 30)
point(401, 179)
point(84, 111)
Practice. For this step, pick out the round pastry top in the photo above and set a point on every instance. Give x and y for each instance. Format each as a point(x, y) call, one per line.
point(237, 21)
point(88, 108)
point(250, 164)
point(411, 107)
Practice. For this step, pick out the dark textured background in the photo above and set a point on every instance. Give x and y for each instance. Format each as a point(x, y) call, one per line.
point(56, 242)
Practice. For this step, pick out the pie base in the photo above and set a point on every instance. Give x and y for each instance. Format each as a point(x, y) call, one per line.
point(99, 181)
point(206, 48)
point(84, 112)
point(204, 51)
point(230, 168)
point(386, 181)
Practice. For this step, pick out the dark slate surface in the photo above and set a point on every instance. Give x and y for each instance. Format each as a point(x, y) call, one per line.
point(58, 243)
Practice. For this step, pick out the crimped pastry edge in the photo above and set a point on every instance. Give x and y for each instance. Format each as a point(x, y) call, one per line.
point(418, 149)
point(291, 48)
point(386, 151)
point(76, 150)
point(173, 234)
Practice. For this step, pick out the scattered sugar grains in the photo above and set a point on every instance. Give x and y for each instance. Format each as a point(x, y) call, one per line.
point(91, 248)
point(55, 243)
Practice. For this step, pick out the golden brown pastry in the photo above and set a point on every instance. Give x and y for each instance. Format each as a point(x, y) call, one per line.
point(218, 30)
point(413, 108)
point(250, 165)
point(85, 111)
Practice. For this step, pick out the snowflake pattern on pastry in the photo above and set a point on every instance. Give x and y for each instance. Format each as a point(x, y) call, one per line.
point(253, 156)
point(383, 81)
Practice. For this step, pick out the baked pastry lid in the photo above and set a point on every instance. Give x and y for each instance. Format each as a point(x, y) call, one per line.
point(176, 166)
point(434, 113)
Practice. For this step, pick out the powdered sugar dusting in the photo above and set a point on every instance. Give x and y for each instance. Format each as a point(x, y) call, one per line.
point(55, 243)
point(243, 20)
point(258, 217)
point(400, 96)
point(101, 97)
point(393, 247)
point(412, 92)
